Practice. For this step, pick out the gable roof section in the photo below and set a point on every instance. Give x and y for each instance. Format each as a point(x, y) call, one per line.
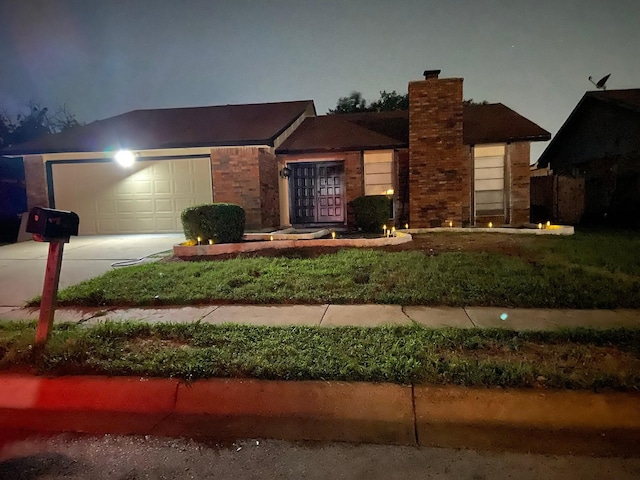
point(333, 132)
point(626, 100)
point(225, 125)
point(497, 123)
point(489, 123)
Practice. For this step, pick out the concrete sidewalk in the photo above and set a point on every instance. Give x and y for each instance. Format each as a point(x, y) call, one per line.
point(349, 315)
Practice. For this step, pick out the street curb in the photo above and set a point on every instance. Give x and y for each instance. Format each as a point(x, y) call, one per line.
point(534, 420)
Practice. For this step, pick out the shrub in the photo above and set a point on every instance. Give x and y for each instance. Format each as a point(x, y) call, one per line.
point(222, 222)
point(371, 212)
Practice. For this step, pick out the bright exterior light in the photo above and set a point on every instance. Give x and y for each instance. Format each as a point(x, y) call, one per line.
point(406, 226)
point(389, 192)
point(548, 224)
point(211, 241)
point(450, 224)
point(199, 240)
point(271, 238)
point(539, 226)
point(333, 235)
point(126, 158)
point(490, 224)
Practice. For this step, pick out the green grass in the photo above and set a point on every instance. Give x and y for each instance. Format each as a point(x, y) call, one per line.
point(407, 354)
point(588, 270)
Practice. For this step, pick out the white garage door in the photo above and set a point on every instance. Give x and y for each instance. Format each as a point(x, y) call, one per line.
point(146, 198)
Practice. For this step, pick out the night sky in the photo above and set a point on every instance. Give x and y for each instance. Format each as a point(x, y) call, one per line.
point(105, 57)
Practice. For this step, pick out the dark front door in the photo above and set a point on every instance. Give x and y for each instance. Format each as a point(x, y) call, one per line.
point(317, 192)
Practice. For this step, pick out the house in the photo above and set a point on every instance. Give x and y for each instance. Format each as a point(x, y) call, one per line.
point(183, 157)
point(440, 162)
point(595, 161)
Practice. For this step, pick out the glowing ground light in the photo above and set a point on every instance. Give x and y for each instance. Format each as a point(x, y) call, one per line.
point(504, 316)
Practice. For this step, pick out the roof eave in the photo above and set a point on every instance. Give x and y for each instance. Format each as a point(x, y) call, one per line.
point(355, 148)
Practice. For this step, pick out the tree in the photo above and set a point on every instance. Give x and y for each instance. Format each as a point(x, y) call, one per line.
point(39, 121)
point(471, 102)
point(388, 101)
point(351, 104)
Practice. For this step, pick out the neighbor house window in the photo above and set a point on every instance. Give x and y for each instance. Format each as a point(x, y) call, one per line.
point(489, 179)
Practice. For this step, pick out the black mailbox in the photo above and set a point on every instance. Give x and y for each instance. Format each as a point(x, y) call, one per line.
point(48, 224)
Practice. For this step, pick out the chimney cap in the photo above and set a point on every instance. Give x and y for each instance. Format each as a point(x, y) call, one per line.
point(431, 74)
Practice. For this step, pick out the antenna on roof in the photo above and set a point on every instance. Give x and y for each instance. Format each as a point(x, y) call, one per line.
point(600, 84)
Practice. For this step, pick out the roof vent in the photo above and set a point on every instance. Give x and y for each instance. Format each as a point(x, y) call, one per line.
point(428, 74)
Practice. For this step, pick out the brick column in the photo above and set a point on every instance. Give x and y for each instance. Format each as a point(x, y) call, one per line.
point(439, 176)
point(236, 179)
point(519, 200)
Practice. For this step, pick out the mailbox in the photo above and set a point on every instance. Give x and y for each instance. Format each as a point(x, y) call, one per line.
point(47, 224)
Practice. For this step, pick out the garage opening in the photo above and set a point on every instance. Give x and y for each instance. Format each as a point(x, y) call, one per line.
point(145, 198)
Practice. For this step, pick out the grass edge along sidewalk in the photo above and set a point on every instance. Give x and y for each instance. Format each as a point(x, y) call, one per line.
point(566, 359)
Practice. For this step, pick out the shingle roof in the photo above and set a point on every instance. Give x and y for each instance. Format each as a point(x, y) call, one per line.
point(495, 122)
point(489, 123)
point(628, 99)
point(225, 125)
point(335, 132)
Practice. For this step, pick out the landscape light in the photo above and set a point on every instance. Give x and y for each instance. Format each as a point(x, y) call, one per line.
point(333, 235)
point(125, 158)
point(490, 224)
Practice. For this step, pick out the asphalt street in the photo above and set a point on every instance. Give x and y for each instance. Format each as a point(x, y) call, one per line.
point(72, 457)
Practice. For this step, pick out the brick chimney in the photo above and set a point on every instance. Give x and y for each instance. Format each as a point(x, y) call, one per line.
point(439, 168)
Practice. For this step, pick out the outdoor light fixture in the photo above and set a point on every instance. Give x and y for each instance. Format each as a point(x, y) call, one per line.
point(125, 158)
point(333, 235)
point(285, 172)
point(490, 224)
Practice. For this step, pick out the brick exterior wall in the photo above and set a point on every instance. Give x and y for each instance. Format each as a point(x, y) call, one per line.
point(354, 181)
point(402, 189)
point(439, 176)
point(269, 201)
point(236, 179)
point(518, 154)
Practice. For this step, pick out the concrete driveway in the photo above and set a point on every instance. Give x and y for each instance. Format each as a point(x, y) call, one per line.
point(22, 265)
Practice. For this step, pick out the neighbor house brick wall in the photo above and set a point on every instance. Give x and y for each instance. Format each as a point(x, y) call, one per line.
point(518, 155)
point(35, 182)
point(236, 179)
point(439, 176)
point(269, 201)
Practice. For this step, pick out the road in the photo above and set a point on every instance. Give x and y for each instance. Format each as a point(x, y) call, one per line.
point(71, 457)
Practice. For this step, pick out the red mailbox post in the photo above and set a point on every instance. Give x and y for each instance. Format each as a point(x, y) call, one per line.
point(55, 227)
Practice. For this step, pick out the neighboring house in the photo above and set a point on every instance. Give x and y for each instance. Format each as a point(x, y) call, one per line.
point(595, 161)
point(440, 162)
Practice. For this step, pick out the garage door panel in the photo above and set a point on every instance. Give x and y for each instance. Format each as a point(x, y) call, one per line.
point(145, 199)
point(162, 186)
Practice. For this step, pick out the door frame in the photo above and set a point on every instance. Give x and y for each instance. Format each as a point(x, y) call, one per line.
point(291, 196)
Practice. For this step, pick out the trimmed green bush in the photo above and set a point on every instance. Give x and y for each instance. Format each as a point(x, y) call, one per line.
point(222, 222)
point(371, 212)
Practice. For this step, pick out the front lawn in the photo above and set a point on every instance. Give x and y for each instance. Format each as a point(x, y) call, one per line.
point(597, 269)
point(576, 359)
